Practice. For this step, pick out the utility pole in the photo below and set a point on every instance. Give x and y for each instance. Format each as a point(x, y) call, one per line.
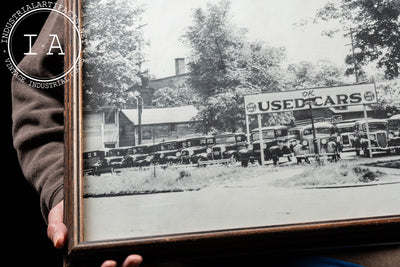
point(316, 150)
point(354, 58)
point(357, 81)
point(139, 105)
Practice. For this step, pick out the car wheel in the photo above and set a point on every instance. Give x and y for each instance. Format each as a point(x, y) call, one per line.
point(233, 159)
point(245, 163)
point(275, 160)
point(366, 152)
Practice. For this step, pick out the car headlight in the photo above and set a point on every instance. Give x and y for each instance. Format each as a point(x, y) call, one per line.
point(391, 136)
point(372, 136)
point(250, 147)
point(323, 141)
point(264, 146)
point(161, 156)
point(304, 143)
point(178, 154)
point(209, 150)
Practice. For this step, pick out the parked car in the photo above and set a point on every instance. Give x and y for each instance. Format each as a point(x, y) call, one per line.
point(90, 160)
point(394, 132)
point(276, 144)
point(394, 125)
point(116, 157)
point(228, 145)
point(169, 152)
point(346, 133)
point(197, 148)
point(140, 155)
point(326, 142)
point(378, 136)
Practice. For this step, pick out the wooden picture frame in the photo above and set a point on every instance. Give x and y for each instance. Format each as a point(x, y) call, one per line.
point(213, 242)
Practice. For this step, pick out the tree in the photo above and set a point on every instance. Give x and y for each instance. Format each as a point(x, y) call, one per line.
point(323, 73)
point(374, 29)
point(222, 112)
point(262, 70)
point(179, 96)
point(216, 46)
point(112, 39)
point(224, 66)
point(388, 96)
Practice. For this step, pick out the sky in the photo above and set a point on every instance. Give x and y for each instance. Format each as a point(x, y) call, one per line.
point(271, 21)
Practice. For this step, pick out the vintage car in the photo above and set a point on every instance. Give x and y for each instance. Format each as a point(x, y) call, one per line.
point(378, 136)
point(169, 152)
point(276, 144)
point(116, 157)
point(346, 133)
point(394, 132)
point(326, 142)
point(103, 161)
point(394, 125)
point(228, 145)
point(91, 160)
point(140, 155)
point(197, 148)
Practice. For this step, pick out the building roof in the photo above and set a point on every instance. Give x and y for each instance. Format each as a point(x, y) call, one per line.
point(162, 115)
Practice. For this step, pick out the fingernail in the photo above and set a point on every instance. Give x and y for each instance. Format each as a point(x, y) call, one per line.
point(56, 239)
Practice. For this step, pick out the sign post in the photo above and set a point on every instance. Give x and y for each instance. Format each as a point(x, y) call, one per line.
point(287, 101)
point(260, 137)
point(316, 151)
point(367, 126)
point(247, 128)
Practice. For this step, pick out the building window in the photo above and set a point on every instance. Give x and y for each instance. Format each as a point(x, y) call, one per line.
point(109, 117)
point(109, 145)
point(172, 127)
point(146, 134)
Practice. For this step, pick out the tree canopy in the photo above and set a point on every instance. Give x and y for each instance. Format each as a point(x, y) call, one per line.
point(224, 66)
point(374, 26)
point(112, 40)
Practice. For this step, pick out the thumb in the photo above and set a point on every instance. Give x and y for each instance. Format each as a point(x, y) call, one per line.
point(56, 230)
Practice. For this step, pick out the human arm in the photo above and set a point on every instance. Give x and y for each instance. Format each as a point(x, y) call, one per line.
point(38, 133)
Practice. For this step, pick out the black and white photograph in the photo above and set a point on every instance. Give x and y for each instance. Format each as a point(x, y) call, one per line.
point(202, 115)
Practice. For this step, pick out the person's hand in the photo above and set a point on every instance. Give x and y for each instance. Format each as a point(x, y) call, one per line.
point(58, 234)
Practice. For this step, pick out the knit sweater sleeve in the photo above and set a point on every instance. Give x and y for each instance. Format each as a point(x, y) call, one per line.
point(37, 115)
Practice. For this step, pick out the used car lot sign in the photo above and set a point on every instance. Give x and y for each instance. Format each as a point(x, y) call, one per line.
point(359, 94)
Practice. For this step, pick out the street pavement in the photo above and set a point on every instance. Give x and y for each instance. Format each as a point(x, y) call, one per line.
point(251, 202)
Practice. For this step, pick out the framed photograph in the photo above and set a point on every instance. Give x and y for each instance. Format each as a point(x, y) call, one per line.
point(201, 128)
